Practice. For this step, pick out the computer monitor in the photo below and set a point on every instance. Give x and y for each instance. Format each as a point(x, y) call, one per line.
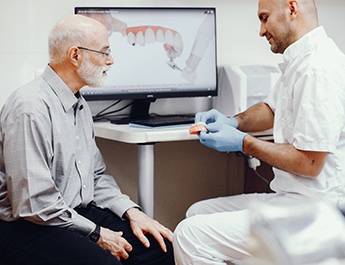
point(158, 53)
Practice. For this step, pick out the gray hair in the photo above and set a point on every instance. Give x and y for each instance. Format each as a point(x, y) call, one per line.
point(63, 36)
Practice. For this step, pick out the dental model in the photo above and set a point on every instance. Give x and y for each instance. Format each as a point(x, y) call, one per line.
point(197, 127)
point(150, 34)
point(173, 43)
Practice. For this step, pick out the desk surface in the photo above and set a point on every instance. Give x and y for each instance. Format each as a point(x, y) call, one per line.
point(128, 134)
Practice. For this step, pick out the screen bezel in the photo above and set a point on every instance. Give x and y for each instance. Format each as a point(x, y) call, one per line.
point(154, 95)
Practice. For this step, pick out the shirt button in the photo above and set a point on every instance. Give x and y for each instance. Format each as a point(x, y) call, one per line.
point(79, 162)
point(84, 186)
point(77, 137)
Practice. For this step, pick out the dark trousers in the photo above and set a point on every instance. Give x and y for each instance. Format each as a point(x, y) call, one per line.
point(25, 243)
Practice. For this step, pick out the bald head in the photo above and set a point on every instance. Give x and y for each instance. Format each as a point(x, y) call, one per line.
point(307, 8)
point(75, 30)
point(285, 21)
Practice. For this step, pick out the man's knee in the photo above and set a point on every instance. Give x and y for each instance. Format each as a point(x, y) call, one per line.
point(187, 231)
point(196, 208)
point(187, 237)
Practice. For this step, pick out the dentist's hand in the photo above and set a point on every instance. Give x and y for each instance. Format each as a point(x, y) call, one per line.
point(214, 116)
point(222, 137)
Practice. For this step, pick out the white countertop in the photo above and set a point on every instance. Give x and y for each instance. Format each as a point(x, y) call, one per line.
point(128, 134)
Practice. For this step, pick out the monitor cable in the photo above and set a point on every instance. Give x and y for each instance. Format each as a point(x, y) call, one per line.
point(253, 163)
point(99, 114)
point(106, 115)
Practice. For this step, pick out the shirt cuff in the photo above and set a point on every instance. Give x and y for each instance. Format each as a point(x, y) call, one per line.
point(82, 225)
point(122, 206)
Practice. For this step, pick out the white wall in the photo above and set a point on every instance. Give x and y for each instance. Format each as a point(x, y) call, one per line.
point(182, 177)
point(25, 25)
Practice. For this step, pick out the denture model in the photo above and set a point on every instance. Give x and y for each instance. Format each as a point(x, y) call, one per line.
point(149, 34)
point(197, 127)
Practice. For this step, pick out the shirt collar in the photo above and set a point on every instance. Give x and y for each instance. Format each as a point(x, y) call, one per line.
point(295, 49)
point(59, 87)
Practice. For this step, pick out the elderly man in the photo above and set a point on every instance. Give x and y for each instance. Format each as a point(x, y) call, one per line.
point(57, 206)
point(307, 113)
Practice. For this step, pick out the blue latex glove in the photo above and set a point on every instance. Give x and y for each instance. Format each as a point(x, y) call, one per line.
point(214, 116)
point(222, 137)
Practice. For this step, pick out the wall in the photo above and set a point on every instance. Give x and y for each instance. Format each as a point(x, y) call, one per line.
point(26, 24)
point(182, 176)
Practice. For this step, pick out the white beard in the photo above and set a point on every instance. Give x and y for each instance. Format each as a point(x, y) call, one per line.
point(92, 75)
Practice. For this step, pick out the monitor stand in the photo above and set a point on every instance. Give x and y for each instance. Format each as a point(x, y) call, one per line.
point(140, 110)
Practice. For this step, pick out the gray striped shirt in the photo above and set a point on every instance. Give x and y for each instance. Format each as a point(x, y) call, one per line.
point(49, 161)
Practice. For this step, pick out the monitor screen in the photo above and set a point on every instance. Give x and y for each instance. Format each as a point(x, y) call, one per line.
point(157, 52)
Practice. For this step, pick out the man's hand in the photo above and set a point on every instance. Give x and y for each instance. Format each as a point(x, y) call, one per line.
point(142, 224)
point(223, 138)
point(115, 243)
point(214, 116)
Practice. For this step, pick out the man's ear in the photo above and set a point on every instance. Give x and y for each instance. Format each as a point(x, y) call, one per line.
point(74, 55)
point(293, 5)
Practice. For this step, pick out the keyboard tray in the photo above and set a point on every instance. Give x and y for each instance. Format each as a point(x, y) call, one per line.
point(156, 121)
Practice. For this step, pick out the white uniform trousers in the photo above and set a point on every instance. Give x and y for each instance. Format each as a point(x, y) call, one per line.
point(216, 231)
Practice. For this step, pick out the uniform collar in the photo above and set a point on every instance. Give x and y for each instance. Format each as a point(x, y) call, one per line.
point(303, 44)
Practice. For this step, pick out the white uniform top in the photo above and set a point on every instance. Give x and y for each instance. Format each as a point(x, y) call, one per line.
point(309, 107)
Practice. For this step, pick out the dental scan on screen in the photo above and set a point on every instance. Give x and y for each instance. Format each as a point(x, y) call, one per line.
point(159, 49)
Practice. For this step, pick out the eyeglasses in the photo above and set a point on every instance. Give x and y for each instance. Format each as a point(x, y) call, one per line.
point(107, 53)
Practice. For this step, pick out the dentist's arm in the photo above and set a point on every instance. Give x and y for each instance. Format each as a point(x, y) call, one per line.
point(283, 156)
point(227, 135)
point(256, 118)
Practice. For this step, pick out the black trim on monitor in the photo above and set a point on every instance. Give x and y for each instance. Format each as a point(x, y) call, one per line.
point(148, 93)
point(115, 96)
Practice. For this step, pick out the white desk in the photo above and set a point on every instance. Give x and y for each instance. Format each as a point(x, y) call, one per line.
point(145, 139)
